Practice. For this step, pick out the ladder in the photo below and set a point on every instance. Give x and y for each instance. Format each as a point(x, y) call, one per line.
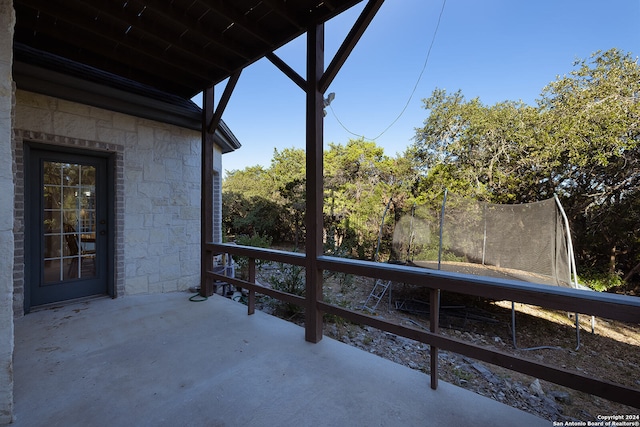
point(379, 289)
point(380, 286)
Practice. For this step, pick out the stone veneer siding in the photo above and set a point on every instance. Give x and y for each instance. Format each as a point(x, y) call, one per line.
point(7, 99)
point(157, 188)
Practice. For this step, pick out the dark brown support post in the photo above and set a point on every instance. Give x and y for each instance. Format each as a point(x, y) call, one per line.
point(206, 199)
point(434, 318)
point(314, 149)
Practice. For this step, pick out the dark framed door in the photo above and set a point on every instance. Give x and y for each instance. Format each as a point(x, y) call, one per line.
point(68, 226)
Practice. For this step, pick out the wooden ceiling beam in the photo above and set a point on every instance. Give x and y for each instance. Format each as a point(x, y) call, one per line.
point(100, 36)
point(281, 9)
point(139, 22)
point(169, 11)
point(251, 27)
point(178, 46)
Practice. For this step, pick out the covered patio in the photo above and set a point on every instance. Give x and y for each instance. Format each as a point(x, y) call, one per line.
point(160, 359)
point(147, 360)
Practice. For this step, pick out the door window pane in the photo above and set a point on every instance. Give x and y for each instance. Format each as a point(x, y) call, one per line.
point(69, 214)
point(52, 222)
point(52, 246)
point(52, 197)
point(52, 171)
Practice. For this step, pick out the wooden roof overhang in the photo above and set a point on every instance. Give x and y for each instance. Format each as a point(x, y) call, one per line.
point(180, 47)
point(185, 47)
point(150, 57)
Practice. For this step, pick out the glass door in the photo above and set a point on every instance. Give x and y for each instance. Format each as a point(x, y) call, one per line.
point(68, 221)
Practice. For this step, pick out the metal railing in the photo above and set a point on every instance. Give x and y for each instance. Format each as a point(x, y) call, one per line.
point(610, 306)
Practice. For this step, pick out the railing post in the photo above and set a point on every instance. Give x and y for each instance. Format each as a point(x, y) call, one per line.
point(251, 304)
point(434, 316)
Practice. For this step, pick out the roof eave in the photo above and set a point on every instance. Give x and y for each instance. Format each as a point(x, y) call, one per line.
point(71, 88)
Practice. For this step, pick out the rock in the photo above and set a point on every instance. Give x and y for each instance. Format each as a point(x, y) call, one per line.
point(333, 330)
point(406, 342)
point(536, 388)
point(521, 390)
point(550, 406)
point(560, 396)
point(487, 374)
point(583, 415)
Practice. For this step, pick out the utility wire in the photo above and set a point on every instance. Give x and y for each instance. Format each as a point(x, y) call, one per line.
point(415, 87)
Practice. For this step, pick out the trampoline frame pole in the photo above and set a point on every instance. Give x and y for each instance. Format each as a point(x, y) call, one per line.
point(444, 202)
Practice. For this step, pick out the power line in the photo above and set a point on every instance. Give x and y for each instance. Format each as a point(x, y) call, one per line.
point(415, 87)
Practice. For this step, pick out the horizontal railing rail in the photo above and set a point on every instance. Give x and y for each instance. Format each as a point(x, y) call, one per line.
point(610, 306)
point(274, 255)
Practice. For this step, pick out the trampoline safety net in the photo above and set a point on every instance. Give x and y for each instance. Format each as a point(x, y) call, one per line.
point(529, 242)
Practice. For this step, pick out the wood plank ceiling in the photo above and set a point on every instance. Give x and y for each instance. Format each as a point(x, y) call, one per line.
point(180, 47)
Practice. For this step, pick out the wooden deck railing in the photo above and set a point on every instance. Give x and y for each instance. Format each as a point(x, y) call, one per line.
point(610, 306)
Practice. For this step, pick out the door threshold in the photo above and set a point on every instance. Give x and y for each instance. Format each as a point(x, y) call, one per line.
point(66, 303)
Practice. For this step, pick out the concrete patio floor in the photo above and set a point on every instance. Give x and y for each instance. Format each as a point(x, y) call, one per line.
point(161, 360)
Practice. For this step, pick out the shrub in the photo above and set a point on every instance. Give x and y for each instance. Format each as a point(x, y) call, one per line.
point(602, 281)
point(290, 279)
point(256, 241)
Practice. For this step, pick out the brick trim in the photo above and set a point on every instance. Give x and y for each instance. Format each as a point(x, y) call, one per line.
point(19, 138)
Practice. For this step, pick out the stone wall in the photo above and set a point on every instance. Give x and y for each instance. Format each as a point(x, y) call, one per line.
point(157, 186)
point(7, 20)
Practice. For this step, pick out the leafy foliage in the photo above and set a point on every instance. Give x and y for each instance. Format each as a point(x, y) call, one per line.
point(290, 279)
point(602, 281)
point(255, 240)
point(580, 141)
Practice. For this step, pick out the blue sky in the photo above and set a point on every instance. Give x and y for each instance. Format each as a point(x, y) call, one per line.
point(492, 49)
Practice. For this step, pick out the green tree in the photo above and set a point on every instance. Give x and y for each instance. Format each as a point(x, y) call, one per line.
point(359, 181)
point(254, 216)
point(250, 182)
point(288, 168)
point(592, 119)
point(580, 141)
point(475, 149)
point(248, 205)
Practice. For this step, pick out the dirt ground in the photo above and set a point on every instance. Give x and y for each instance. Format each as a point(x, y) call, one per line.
point(612, 352)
